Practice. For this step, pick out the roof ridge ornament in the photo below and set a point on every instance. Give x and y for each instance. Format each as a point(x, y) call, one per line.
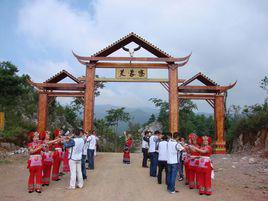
point(131, 52)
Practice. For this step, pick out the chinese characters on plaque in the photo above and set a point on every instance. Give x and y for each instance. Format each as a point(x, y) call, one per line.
point(131, 73)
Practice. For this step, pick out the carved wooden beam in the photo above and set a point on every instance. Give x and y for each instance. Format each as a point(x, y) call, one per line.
point(132, 65)
point(197, 96)
point(210, 103)
point(64, 94)
point(60, 86)
point(165, 86)
point(50, 100)
point(157, 59)
point(205, 89)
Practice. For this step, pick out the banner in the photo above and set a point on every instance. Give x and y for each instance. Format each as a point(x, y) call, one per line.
point(131, 73)
point(2, 121)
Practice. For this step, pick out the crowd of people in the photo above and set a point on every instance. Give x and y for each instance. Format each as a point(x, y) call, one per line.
point(66, 152)
point(69, 152)
point(180, 160)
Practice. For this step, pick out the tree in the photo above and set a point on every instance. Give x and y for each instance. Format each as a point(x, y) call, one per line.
point(163, 112)
point(78, 102)
point(187, 117)
point(151, 119)
point(264, 83)
point(12, 86)
point(186, 112)
point(115, 115)
point(106, 134)
point(133, 129)
point(19, 102)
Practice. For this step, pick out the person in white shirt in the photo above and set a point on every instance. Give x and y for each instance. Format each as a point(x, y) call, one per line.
point(84, 154)
point(91, 140)
point(162, 158)
point(76, 148)
point(153, 140)
point(173, 151)
point(145, 147)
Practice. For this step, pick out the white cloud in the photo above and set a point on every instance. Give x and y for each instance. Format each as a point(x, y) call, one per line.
point(54, 24)
point(43, 70)
point(228, 39)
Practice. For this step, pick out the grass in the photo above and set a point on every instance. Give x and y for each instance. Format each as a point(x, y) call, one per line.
point(2, 162)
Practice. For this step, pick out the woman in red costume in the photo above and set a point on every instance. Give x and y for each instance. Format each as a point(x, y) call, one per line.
point(65, 160)
point(47, 157)
point(205, 166)
point(57, 156)
point(186, 159)
point(127, 146)
point(35, 163)
point(193, 161)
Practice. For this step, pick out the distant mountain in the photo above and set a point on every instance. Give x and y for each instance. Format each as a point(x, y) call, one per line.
point(204, 113)
point(138, 115)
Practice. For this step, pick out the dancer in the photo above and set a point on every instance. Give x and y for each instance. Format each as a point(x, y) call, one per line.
point(127, 146)
point(205, 166)
point(47, 157)
point(57, 156)
point(65, 159)
point(193, 162)
point(35, 163)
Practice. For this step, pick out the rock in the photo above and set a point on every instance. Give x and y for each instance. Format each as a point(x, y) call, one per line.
point(252, 161)
point(152, 127)
point(265, 170)
point(8, 146)
point(21, 151)
point(244, 158)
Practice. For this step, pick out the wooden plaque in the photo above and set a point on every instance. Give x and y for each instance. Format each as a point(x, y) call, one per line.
point(131, 73)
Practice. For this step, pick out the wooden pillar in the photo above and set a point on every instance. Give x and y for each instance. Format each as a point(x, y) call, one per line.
point(42, 112)
point(173, 99)
point(89, 98)
point(219, 124)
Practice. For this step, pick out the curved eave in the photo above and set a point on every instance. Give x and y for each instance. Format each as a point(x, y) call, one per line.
point(86, 59)
point(205, 89)
point(81, 59)
point(229, 87)
point(186, 58)
point(30, 82)
point(185, 61)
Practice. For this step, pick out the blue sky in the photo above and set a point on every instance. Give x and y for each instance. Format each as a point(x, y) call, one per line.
point(228, 40)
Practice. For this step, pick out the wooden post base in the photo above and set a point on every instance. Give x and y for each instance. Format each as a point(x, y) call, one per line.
point(220, 148)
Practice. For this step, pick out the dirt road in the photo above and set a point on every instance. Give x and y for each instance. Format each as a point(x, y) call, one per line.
point(113, 181)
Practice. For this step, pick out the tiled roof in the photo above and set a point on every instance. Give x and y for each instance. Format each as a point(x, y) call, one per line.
point(131, 37)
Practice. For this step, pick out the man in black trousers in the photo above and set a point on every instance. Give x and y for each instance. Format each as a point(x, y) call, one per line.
point(145, 147)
